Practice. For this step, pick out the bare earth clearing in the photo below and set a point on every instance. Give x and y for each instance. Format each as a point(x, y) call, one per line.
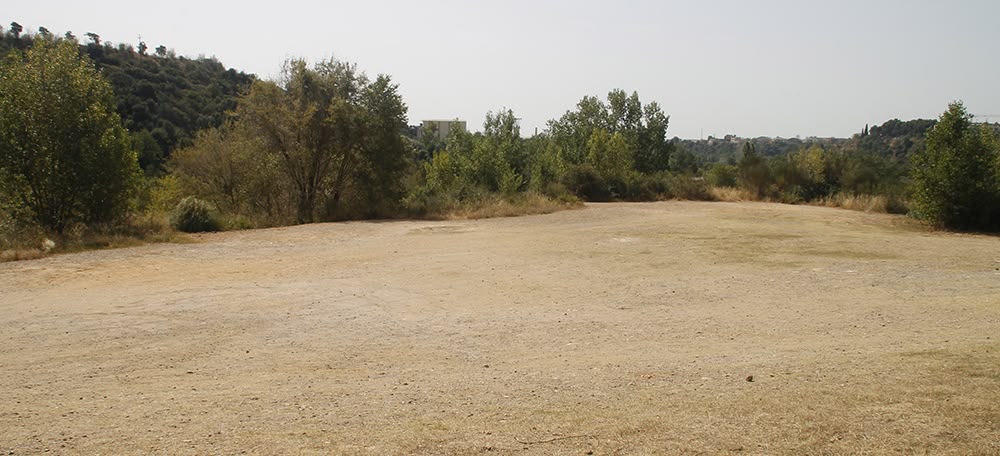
point(616, 329)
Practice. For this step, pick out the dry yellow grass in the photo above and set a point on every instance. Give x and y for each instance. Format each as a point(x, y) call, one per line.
point(864, 203)
point(21, 254)
point(140, 230)
point(731, 194)
point(496, 206)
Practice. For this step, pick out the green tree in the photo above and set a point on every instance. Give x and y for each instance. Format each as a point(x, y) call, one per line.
point(331, 130)
point(624, 113)
point(721, 175)
point(495, 160)
point(385, 156)
point(502, 130)
point(149, 152)
point(61, 137)
point(429, 141)
point(16, 29)
point(955, 177)
point(609, 155)
point(683, 161)
point(573, 130)
point(653, 150)
point(804, 173)
point(443, 173)
point(754, 174)
point(644, 129)
point(225, 167)
point(546, 164)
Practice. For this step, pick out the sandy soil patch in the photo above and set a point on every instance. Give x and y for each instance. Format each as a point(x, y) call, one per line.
point(615, 329)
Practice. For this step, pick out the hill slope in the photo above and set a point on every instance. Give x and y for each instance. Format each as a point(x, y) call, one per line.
point(163, 99)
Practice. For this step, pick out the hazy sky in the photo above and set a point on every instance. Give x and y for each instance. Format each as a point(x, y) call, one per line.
point(751, 68)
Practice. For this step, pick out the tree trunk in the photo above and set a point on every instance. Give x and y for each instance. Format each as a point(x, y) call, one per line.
point(305, 209)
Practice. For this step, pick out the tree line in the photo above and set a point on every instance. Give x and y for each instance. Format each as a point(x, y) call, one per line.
point(895, 139)
point(325, 141)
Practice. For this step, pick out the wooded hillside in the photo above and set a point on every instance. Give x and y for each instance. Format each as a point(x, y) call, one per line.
point(163, 98)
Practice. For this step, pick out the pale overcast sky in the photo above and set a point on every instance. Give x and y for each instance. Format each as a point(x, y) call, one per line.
point(750, 68)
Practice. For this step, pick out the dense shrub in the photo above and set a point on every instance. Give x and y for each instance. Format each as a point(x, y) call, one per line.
point(585, 182)
point(62, 139)
point(690, 188)
point(647, 187)
point(721, 175)
point(193, 215)
point(955, 179)
point(17, 226)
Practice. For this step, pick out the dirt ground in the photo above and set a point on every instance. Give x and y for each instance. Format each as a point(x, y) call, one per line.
point(614, 329)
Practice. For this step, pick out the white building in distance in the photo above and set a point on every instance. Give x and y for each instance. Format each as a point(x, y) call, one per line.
point(441, 128)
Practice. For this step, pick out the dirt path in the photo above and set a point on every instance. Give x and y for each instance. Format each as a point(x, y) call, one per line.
point(617, 329)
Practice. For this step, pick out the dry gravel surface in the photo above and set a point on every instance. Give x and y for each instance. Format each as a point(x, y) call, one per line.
point(666, 328)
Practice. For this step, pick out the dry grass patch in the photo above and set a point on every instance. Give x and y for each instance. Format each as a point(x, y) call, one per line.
point(21, 254)
point(865, 203)
point(496, 206)
point(731, 194)
point(140, 230)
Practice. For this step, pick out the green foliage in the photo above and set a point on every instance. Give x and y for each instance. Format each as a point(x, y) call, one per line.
point(509, 181)
point(546, 165)
point(385, 156)
point(752, 172)
point(721, 175)
point(164, 98)
point(893, 140)
point(814, 173)
point(16, 29)
point(652, 152)
point(495, 161)
point(169, 98)
point(609, 155)
point(586, 182)
point(643, 129)
point(444, 174)
point(149, 152)
point(862, 172)
point(164, 194)
point(801, 176)
point(61, 139)
point(684, 162)
point(18, 228)
point(689, 188)
point(226, 167)
point(649, 187)
point(498, 161)
point(428, 142)
point(193, 215)
point(896, 138)
point(326, 142)
point(335, 134)
point(956, 184)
